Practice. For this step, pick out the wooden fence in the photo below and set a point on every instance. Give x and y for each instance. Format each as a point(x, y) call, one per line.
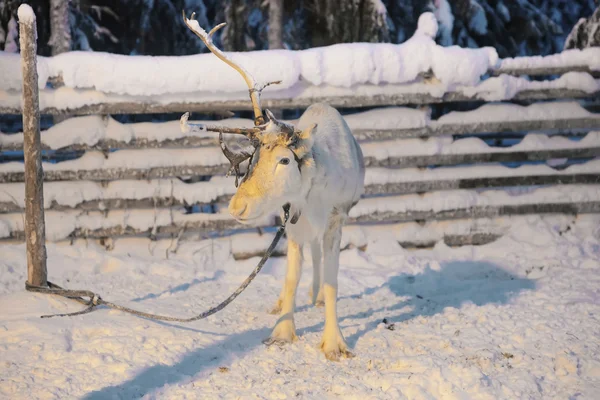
point(462, 170)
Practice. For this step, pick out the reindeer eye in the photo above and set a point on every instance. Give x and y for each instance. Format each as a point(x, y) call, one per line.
point(284, 161)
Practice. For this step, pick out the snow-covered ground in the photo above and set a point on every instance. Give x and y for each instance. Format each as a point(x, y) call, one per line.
point(514, 319)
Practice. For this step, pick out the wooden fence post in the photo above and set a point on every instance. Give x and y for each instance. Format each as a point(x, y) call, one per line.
point(35, 230)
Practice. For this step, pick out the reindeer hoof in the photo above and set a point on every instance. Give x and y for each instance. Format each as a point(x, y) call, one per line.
point(336, 354)
point(283, 333)
point(270, 341)
point(335, 347)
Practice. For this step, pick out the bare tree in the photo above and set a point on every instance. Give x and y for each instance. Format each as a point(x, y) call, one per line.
point(275, 24)
point(60, 36)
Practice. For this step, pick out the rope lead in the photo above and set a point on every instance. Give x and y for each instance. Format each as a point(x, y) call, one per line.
point(95, 300)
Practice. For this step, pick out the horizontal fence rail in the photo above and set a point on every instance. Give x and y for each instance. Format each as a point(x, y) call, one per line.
point(410, 186)
point(561, 125)
point(226, 225)
point(341, 101)
point(442, 205)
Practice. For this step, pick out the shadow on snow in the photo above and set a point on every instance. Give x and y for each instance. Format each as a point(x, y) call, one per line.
point(426, 294)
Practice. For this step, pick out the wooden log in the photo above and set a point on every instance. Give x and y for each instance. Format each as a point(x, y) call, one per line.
point(110, 174)
point(435, 129)
point(226, 225)
point(456, 159)
point(558, 125)
point(34, 194)
point(373, 189)
point(117, 204)
point(121, 173)
point(102, 204)
point(473, 183)
point(398, 99)
point(396, 162)
point(545, 71)
point(482, 212)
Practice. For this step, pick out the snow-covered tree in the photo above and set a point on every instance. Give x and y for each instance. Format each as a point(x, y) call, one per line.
point(513, 27)
point(12, 37)
point(586, 33)
point(155, 27)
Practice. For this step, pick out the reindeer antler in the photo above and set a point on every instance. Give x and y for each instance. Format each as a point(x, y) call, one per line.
point(235, 158)
point(253, 89)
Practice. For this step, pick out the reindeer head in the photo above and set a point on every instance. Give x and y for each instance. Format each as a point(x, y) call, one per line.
point(276, 173)
point(274, 176)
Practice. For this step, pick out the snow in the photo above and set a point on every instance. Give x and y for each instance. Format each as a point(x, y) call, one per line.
point(445, 18)
point(133, 159)
point(148, 76)
point(387, 118)
point(568, 58)
point(363, 63)
point(26, 14)
point(470, 322)
point(492, 89)
point(10, 68)
point(427, 25)
point(466, 199)
point(514, 112)
point(71, 194)
point(212, 156)
point(374, 176)
point(446, 145)
point(10, 45)
point(369, 69)
point(462, 66)
point(90, 130)
point(60, 224)
point(506, 87)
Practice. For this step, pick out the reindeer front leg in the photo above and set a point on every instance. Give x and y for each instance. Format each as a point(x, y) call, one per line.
point(285, 329)
point(333, 343)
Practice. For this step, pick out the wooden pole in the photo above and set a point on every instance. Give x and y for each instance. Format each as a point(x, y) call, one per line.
point(35, 232)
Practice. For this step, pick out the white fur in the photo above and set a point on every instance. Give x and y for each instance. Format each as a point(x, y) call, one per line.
point(329, 182)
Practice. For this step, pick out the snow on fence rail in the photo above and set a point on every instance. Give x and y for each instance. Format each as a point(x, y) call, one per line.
point(85, 102)
point(344, 75)
point(460, 204)
point(104, 133)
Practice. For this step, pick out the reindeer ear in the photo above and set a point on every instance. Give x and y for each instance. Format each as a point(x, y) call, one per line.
point(305, 141)
point(308, 132)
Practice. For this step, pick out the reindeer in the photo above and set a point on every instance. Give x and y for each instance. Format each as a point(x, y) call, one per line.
point(316, 172)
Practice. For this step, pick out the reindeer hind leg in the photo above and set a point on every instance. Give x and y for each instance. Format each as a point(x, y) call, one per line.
point(333, 344)
point(316, 290)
